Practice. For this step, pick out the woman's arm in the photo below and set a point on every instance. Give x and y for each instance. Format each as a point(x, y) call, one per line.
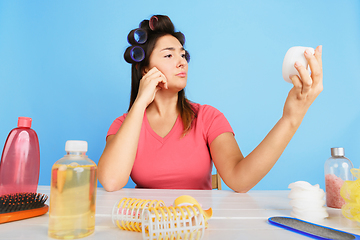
point(241, 174)
point(117, 159)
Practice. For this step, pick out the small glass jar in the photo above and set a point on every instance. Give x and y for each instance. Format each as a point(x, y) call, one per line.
point(337, 170)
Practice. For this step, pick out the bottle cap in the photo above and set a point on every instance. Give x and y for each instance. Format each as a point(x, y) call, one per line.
point(337, 152)
point(24, 122)
point(76, 146)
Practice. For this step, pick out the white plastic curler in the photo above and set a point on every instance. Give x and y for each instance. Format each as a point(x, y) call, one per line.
point(185, 220)
point(180, 222)
point(126, 213)
point(294, 54)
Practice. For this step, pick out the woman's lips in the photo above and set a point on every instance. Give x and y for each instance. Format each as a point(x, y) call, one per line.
point(182, 74)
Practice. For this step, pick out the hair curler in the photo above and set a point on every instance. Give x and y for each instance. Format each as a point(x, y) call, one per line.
point(180, 222)
point(160, 23)
point(127, 212)
point(153, 22)
point(184, 220)
point(187, 56)
point(134, 54)
point(137, 36)
point(294, 54)
point(180, 36)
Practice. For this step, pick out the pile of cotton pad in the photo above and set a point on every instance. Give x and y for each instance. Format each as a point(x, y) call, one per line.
point(307, 201)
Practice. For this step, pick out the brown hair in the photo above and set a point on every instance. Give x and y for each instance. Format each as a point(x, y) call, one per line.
point(161, 27)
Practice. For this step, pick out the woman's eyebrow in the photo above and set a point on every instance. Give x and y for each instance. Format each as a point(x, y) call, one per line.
point(172, 49)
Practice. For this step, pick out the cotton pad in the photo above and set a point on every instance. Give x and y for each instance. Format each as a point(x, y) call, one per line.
point(307, 201)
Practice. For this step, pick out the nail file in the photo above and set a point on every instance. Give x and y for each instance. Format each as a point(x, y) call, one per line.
point(311, 229)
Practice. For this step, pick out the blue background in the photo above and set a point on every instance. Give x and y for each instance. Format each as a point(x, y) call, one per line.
point(61, 64)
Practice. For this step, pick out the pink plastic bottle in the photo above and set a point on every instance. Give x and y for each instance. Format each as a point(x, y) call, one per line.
point(20, 160)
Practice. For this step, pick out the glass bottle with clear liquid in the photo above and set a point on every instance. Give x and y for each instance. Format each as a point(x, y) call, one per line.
point(337, 171)
point(73, 194)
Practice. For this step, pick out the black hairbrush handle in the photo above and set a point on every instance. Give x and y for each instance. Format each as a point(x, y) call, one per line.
point(311, 229)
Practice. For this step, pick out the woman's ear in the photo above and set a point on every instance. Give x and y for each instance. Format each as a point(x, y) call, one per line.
point(144, 70)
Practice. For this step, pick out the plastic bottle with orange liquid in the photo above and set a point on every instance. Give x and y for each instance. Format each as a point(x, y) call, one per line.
point(73, 194)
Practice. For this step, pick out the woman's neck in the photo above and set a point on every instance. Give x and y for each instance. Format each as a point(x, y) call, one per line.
point(163, 105)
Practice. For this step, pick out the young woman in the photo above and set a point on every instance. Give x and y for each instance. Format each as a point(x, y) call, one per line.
point(166, 141)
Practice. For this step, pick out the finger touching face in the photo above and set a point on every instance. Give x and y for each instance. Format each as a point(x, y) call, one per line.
point(169, 57)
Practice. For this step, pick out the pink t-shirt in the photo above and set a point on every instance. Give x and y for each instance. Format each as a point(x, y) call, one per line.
point(176, 162)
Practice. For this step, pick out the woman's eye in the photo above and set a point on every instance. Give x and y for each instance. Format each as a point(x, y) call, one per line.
point(183, 55)
point(168, 56)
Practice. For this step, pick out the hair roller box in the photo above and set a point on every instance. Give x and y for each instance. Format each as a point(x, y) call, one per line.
point(294, 54)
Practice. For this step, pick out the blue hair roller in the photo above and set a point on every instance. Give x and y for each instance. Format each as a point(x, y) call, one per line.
point(137, 36)
point(134, 54)
point(187, 56)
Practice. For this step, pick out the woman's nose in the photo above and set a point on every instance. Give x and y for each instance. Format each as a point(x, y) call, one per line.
point(182, 61)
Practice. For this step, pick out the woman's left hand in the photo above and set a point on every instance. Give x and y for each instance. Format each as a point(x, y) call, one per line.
point(241, 174)
point(306, 88)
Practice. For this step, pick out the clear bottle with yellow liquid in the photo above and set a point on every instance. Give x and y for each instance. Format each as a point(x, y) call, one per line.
point(73, 193)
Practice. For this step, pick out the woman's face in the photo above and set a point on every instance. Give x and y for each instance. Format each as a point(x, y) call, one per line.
point(168, 57)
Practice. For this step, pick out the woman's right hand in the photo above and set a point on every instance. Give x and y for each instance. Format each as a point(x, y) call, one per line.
point(150, 83)
point(117, 160)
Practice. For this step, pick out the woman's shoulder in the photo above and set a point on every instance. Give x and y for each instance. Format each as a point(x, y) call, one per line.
point(204, 109)
point(211, 121)
point(114, 127)
point(118, 121)
point(121, 118)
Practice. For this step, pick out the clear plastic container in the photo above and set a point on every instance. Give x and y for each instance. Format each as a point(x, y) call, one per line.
point(73, 194)
point(337, 170)
point(20, 160)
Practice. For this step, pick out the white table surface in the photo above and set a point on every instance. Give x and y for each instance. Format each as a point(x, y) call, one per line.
point(235, 215)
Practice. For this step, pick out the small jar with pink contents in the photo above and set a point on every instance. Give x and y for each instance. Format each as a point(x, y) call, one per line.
point(337, 170)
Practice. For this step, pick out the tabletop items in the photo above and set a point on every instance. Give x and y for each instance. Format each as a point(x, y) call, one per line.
point(235, 215)
point(342, 192)
point(74, 184)
point(19, 175)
